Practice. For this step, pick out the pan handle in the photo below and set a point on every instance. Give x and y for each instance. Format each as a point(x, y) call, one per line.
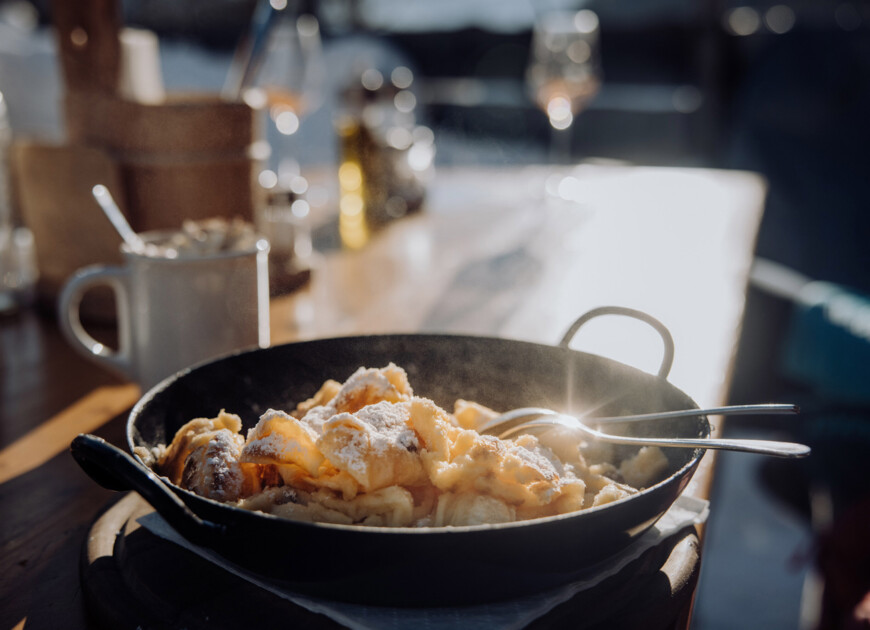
point(114, 469)
point(661, 329)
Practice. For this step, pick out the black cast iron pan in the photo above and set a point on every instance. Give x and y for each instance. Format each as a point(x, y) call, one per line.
point(407, 566)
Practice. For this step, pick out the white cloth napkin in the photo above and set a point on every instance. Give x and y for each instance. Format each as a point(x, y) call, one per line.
point(506, 615)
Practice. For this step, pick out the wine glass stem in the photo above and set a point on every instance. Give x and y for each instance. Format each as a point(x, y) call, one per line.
point(560, 145)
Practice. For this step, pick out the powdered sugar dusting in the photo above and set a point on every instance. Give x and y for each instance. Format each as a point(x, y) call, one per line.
point(532, 454)
point(389, 421)
point(317, 416)
point(279, 437)
point(377, 436)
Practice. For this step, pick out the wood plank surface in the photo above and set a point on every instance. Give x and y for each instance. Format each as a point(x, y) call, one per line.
point(54, 436)
point(492, 253)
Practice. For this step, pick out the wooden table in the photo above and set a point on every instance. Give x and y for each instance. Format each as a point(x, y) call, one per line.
point(493, 253)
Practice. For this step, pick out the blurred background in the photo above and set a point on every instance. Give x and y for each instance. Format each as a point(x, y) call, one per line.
point(779, 88)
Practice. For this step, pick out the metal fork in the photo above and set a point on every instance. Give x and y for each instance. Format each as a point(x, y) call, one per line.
point(524, 419)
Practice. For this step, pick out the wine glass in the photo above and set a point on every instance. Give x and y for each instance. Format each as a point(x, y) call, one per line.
point(564, 72)
point(288, 80)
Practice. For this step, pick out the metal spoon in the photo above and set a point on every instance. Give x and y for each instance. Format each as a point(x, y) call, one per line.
point(523, 413)
point(113, 212)
point(539, 418)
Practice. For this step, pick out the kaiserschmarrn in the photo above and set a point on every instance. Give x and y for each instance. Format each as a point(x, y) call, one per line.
point(370, 452)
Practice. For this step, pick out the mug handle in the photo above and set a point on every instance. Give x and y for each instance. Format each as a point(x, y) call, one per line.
point(69, 315)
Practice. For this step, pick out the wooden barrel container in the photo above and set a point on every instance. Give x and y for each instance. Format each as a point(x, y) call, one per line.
point(190, 157)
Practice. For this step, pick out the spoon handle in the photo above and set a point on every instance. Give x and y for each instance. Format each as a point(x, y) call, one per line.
point(760, 447)
point(117, 218)
point(523, 414)
point(731, 410)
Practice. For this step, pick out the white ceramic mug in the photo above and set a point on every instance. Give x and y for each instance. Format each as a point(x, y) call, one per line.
point(173, 312)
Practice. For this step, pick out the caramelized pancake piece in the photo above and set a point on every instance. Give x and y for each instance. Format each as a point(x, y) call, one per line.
point(645, 468)
point(472, 415)
point(311, 513)
point(279, 438)
point(306, 507)
point(290, 447)
point(521, 472)
point(467, 508)
point(268, 498)
point(370, 386)
point(323, 396)
point(387, 507)
point(435, 430)
point(212, 469)
point(171, 464)
point(392, 506)
point(611, 492)
point(375, 446)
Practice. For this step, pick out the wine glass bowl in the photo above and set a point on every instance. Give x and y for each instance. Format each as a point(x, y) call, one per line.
point(288, 83)
point(564, 71)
